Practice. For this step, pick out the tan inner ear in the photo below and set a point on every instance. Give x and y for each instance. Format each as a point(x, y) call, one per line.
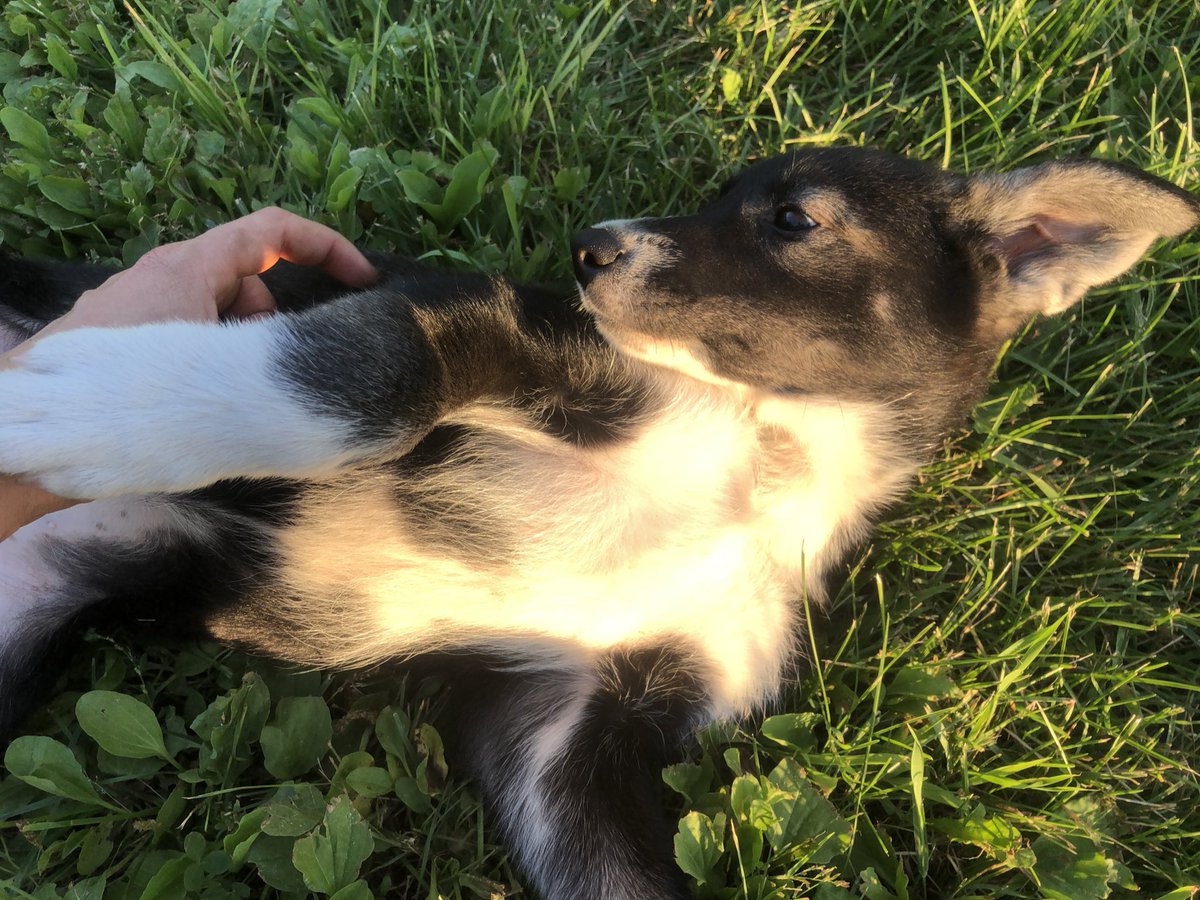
point(1080, 195)
point(1044, 231)
point(1062, 228)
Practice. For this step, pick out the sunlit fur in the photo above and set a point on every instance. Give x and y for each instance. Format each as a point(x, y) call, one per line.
point(603, 530)
point(782, 488)
point(178, 429)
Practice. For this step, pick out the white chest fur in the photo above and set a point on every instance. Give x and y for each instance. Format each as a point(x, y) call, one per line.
point(709, 529)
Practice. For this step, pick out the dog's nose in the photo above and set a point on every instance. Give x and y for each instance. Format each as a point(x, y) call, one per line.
point(593, 251)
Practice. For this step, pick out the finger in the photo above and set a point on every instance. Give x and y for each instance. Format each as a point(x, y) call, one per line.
point(254, 243)
point(169, 282)
point(252, 299)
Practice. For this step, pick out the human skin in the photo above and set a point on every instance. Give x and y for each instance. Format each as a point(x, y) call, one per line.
point(205, 279)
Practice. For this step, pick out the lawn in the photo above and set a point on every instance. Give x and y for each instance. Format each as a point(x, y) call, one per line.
point(1003, 701)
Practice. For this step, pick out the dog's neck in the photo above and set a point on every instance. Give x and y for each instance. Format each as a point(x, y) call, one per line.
point(818, 471)
point(764, 494)
point(825, 471)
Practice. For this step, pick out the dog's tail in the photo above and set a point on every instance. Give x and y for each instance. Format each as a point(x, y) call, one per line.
point(570, 764)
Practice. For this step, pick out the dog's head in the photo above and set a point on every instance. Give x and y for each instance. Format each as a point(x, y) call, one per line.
point(855, 273)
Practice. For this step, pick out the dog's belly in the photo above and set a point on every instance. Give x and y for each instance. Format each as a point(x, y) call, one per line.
point(715, 595)
point(708, 532)
point(369, 597)
point(558, 554)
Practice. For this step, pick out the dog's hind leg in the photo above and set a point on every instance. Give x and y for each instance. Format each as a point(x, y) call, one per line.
point(570, 764)
point(44, 591)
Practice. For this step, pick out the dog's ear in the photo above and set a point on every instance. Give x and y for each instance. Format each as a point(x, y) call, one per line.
point(1048, 233)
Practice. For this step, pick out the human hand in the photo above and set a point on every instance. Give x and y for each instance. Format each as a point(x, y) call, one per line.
point(216, 274)
point(203, 279)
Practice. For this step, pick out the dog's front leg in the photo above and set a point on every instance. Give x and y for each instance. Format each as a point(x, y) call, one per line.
point(98, 412)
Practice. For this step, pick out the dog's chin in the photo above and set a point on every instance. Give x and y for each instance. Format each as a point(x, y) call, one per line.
point(684, 357)
point(607, 321)
point(595, 302)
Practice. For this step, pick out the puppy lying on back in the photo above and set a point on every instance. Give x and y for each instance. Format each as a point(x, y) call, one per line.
point(606, 521)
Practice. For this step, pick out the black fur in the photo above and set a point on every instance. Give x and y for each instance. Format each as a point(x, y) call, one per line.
point(474, 411)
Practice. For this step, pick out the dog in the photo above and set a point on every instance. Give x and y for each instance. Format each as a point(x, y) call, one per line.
point(604, 517)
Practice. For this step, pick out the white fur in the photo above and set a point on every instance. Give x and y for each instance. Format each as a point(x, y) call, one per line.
point(706, 531)
point(686, 358)
point(525, 801)
point(97, 412)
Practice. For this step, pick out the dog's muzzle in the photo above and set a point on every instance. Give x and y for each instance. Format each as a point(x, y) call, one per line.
point(593, 251)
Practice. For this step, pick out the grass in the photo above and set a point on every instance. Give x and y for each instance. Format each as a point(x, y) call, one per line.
point(1004, 702)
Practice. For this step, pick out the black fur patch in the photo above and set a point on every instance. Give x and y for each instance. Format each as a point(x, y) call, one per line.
point(272, 501)
point(608, 782)
point(34, 292)
point(603, 793)
point(449, 525)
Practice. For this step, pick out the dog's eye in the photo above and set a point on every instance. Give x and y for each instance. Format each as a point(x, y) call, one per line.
point(793, 220)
